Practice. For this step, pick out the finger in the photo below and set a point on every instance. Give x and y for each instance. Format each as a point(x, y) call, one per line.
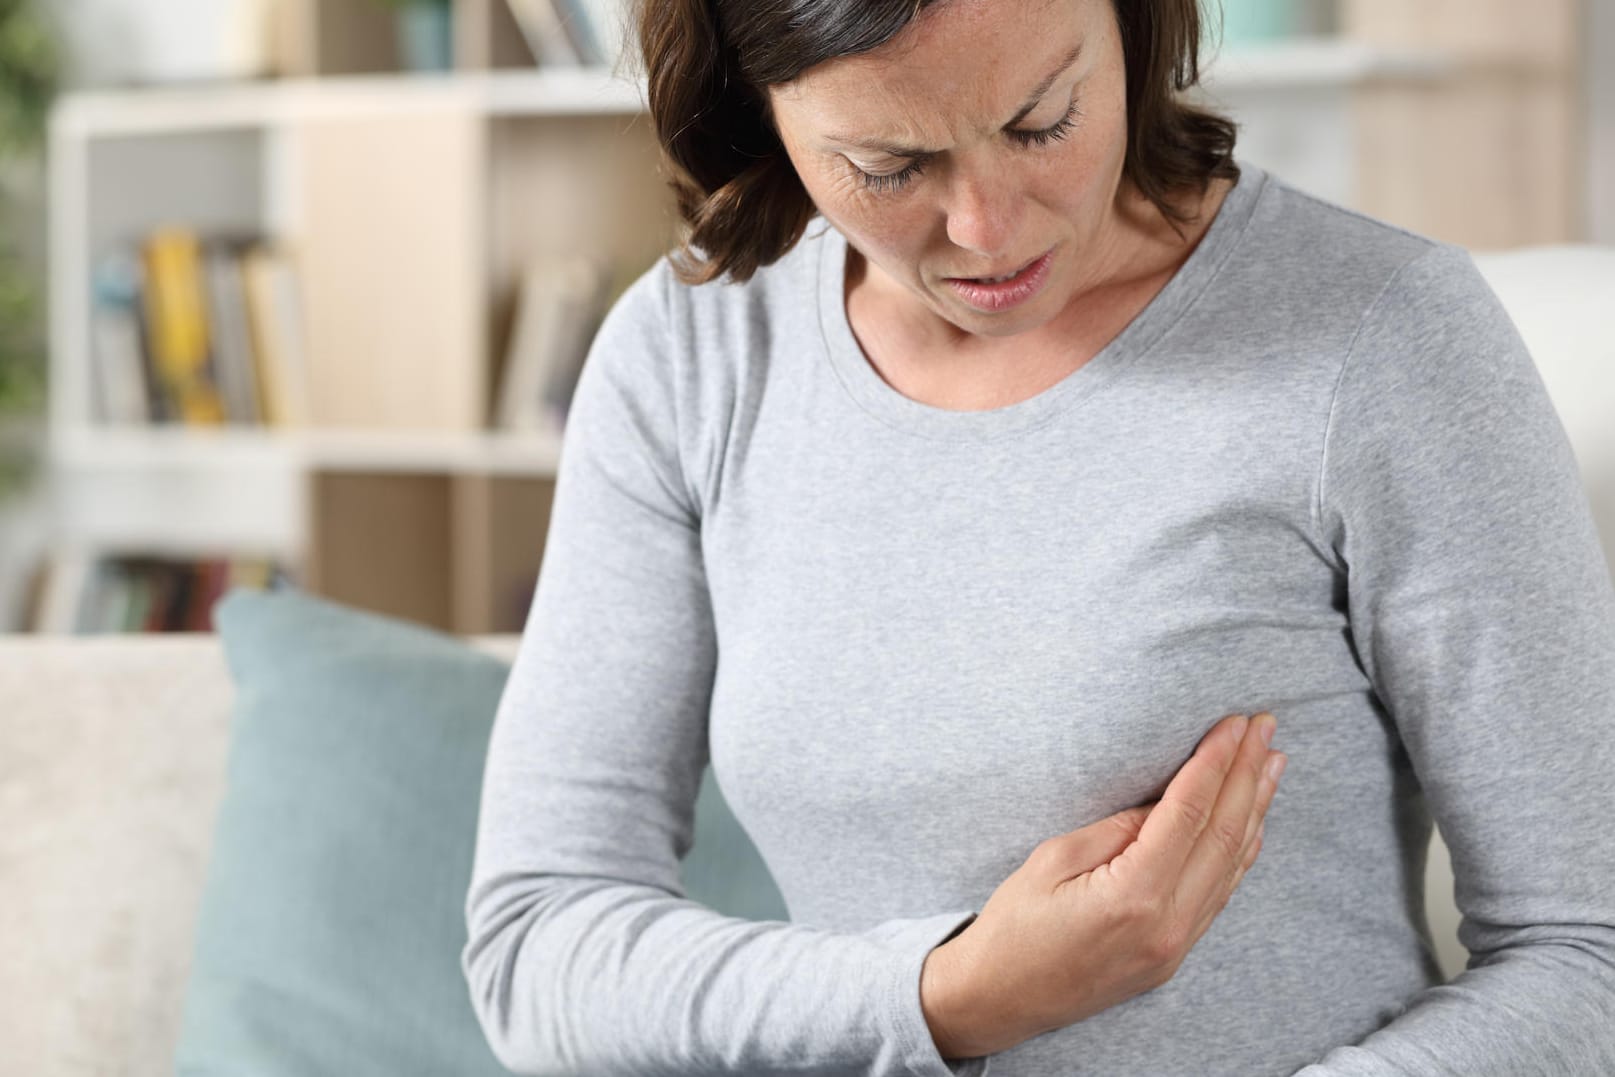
point(1220, 846)
point(1185, 809)
point(1253, 845)
point(1258, 817)
point(1271, 768)
point(1213, 910)
point(1246, 864)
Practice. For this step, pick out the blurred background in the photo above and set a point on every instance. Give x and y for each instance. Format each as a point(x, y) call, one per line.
point(296, 291)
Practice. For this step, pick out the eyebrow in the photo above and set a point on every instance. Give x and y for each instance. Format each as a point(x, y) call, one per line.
point(1036, 96)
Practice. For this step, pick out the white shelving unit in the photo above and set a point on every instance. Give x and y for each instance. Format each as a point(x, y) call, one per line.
point(241, 131)
point(115, 160)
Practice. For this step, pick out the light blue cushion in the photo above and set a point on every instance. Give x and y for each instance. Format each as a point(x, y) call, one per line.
point(332, 916)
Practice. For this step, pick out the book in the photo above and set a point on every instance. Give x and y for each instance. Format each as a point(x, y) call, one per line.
point(62, 589)
point(580, 30)
point(275, 315)
point(232, 336)
point(121, 383)
point(176, 322)
point(138, 606)
point(558, 310)
point(118, 309)
point(608, 24)
point(544, 28)
point(109, 597)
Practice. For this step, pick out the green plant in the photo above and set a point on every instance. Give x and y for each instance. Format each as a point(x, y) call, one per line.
point(29, 70)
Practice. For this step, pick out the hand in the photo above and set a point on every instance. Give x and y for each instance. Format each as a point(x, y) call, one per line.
point(1101, 914)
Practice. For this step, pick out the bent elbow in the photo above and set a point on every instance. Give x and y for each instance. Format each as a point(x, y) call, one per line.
point(504, 1008)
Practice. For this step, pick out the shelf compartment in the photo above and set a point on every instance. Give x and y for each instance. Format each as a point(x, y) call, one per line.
point(460, 553)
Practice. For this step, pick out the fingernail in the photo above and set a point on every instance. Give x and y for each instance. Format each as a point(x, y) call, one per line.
point(1240, 722)
point(1264, 726)
point(1275, 767)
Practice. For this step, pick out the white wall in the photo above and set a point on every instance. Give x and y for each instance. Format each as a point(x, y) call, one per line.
point(127, 42)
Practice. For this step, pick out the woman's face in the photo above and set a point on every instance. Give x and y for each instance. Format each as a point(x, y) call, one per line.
point(971, 83)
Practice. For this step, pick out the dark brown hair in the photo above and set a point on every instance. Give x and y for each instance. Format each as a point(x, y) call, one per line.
point(739, 199)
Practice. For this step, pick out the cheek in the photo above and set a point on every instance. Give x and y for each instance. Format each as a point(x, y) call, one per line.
point(890, 235)
point(1075, 177)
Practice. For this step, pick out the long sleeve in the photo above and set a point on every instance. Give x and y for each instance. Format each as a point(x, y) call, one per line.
point(1482, 611)
point(584, 955)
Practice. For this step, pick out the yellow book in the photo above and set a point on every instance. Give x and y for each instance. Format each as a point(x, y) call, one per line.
point(176, 316)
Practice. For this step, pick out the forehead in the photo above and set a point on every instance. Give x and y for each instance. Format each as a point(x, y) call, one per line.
point(958, 54)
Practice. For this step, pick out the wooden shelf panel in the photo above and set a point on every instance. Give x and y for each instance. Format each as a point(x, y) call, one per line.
point(461, 553)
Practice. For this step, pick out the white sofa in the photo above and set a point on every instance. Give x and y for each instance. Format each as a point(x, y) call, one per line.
point(112, 754)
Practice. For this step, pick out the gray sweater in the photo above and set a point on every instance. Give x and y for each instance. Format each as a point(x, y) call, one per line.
point(1317, 475)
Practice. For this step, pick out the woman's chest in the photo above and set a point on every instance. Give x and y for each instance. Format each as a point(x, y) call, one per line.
point(895, 632)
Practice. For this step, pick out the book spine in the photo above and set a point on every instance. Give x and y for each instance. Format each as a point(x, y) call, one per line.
point(580, 30)
point(232, 343)
point(541, 26)
point(175, 307)
point(608, 20)
point(120, 280)
point(276, 317)
point(122, 386)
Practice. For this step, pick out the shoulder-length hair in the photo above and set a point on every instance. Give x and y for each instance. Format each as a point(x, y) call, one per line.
point(739, 198)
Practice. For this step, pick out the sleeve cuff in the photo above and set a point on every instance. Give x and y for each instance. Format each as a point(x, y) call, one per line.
point(919, 1051)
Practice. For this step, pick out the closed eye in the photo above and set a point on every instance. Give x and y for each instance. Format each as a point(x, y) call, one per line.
point(891, 181)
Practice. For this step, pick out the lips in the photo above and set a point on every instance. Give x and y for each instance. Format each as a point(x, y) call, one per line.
point(1003, 274)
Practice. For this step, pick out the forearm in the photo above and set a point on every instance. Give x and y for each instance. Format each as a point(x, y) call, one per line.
point(1540, 1008)
point(602, 976)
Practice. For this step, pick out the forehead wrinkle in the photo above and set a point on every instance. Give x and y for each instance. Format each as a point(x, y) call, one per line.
point(897, 150)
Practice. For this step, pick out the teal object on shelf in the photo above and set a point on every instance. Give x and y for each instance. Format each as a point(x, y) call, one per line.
point(1251, 21)
point(426, 36)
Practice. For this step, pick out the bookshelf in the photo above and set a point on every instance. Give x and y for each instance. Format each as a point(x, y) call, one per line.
point(415, 201)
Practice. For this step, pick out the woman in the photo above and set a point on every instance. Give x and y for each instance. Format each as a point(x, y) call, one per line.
point(965, 592)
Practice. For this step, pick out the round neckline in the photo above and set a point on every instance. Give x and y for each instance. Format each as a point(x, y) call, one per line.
point(860, 378)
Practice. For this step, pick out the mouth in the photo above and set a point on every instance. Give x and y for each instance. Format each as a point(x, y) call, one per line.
point(1002, 276)
point(1018, 287)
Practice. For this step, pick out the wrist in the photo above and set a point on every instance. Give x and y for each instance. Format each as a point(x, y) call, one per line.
point(946, 1002)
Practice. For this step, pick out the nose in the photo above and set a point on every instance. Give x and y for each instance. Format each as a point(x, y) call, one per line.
point(983, 210)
